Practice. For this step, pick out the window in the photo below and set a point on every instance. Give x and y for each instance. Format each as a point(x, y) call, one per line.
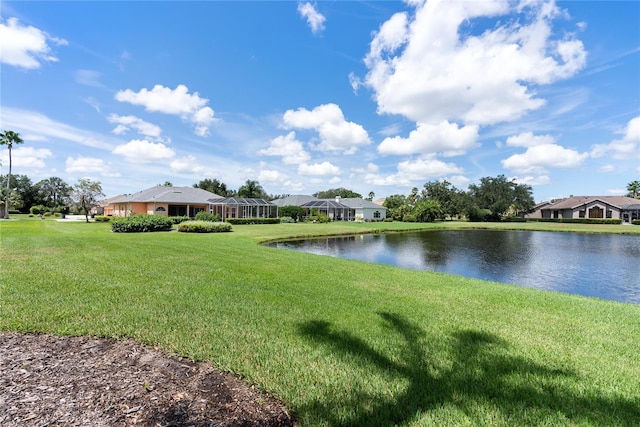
point(609, 213)
point(376, 214)
point(581, 214)
point(160, 209)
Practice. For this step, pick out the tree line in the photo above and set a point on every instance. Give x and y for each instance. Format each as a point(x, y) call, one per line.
point(493, 199)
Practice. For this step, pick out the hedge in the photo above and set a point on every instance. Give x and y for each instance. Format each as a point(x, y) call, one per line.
point(578, 220)
point(141, 224)
point(204, 227)
point(242, 221)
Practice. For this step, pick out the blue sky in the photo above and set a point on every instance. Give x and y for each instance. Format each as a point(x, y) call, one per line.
point(371, 96)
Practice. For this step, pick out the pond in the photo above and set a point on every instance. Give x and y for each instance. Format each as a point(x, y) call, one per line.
point(606, 266)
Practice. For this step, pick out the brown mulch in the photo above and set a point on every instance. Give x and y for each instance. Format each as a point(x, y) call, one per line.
point(48, 380)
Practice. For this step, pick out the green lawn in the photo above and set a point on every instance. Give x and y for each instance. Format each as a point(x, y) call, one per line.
point(342, 343)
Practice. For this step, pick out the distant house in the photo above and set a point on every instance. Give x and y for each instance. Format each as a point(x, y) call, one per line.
point(338, 209)
point(161, 200)
point(187, 201)
point(365, 210)
point(591, 207)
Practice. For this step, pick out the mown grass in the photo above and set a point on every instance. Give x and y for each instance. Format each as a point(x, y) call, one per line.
point(343, 343)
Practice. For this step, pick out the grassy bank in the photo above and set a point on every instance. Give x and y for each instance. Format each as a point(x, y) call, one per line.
point(341, 342)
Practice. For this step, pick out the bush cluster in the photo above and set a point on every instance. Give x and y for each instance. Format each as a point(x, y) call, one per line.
point(241, 221)
point(102, 218)
point(286, 220)
point(141, 223)
point(207, 216)
point(204, 227)
point(179, 219)
point(635, 221)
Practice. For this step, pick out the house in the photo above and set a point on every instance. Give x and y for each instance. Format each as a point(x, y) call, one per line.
point(338, 209)
point(161, 200)
point(610, 207)
point(364, 209)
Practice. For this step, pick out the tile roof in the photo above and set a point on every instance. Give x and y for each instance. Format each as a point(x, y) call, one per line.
point(295, 200)
point(577, 201)
point(162, 194)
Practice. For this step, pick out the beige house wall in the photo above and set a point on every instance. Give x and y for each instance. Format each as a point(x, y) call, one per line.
point(590, 210)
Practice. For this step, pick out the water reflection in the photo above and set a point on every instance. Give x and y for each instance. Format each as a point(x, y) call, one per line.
point(598, 265)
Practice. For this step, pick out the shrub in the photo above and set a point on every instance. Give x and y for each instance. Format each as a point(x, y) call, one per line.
point(294, 212)
point(578, 220)
point(514, 219)
point(179, 219)
point(388, 219)
point(409, 218)
point(102, 218)
point(241, 221)
point(204, 227)
point(207, 216)
point(141, 223)
point(286, 220)
point(38, 209)
point(635, 221)
point(479, 215)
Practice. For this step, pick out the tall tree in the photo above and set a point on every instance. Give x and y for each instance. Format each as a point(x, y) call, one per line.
point(449, 197)
point(53, 192)
point(428, 210)
point(8, 138)
point(371, 196)
point(394, 205)
point(252, 190)
point(86, 194)
point(22, 190)
point(214, 186)
point(634, 189)
point(333, 192)
point(499, 195)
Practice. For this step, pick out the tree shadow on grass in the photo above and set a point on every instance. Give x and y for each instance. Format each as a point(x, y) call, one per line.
point(483, 381)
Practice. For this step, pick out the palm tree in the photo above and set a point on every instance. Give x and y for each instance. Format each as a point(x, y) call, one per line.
point(634, 189)
point(8, 138)
point(251, 190)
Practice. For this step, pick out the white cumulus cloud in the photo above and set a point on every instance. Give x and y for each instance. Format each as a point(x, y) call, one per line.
point(314, 18)
point(125, 123)
point(537, 158)
point(288, 147)
point(143, 151)
point(528, 139)
point(324, 168)
point(85, 165)
point(429, 67)
point(421, 169)
point(26, 157)
point(272, 176)
point(446, 138)
point(189, 165)
point(627, 147)
point(335, 132)
point(189, 106)
point(26, 46)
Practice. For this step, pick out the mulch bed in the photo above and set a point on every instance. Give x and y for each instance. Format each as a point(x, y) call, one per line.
point(47, 380)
